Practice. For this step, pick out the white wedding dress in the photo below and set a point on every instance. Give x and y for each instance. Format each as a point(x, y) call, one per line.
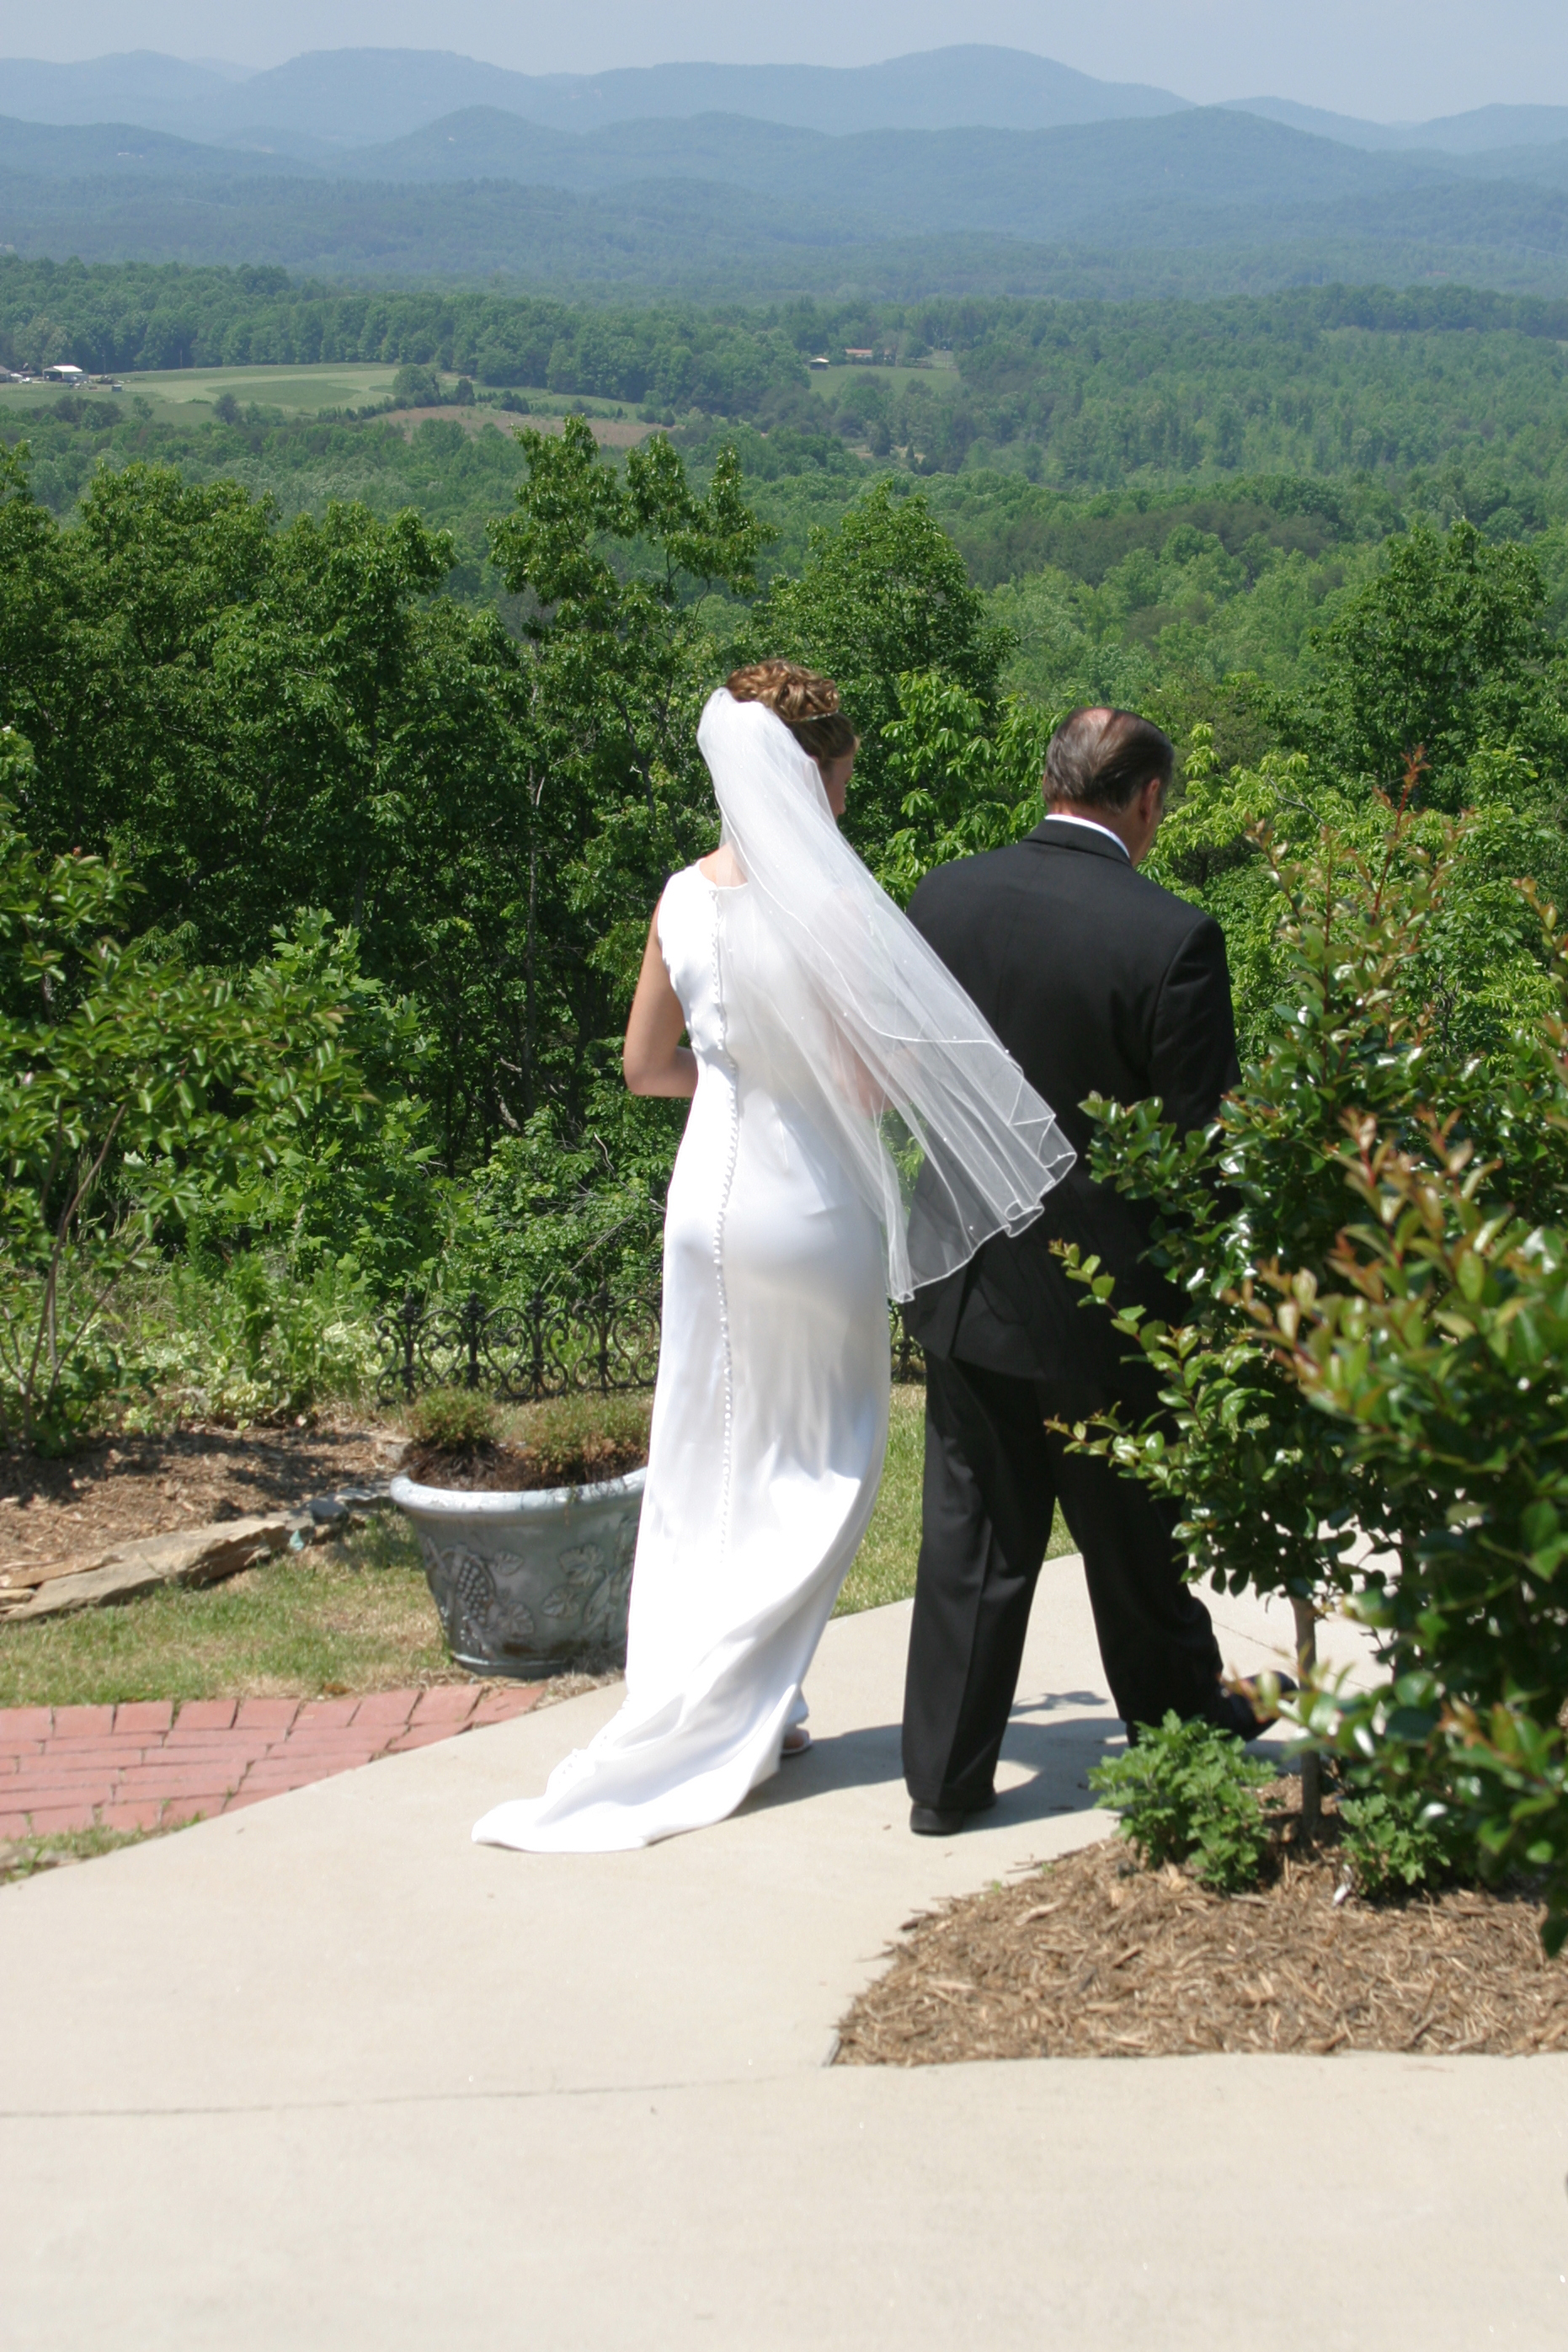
point(770, 1423)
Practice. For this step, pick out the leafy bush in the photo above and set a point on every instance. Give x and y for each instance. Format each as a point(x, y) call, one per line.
point(1436, 1353)
point(133, 1093)
point(246, 1340)
point(1188, 1791)
point(1365, 1398)
point(1393, 1840)
point(454, 1421)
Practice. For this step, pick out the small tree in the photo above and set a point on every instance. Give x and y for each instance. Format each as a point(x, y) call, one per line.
point(1362, 1030)
point(1435, 1354)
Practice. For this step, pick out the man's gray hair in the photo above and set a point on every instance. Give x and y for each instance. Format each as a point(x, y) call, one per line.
point(1104, 758)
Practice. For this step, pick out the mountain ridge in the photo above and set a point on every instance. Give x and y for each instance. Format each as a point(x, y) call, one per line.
point(327, 100)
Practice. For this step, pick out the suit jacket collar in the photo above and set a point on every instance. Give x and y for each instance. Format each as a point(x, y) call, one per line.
point(1053, 833)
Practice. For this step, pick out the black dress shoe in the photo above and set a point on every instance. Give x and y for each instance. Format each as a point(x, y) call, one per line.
point(946, 1821)
point(1234, 1710)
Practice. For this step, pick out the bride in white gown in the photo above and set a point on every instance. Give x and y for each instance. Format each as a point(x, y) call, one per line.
point(820, 1029)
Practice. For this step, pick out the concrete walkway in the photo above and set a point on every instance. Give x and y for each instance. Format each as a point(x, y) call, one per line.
point(323, 2073)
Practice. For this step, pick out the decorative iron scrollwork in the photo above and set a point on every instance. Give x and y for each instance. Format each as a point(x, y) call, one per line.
point(599, 1342)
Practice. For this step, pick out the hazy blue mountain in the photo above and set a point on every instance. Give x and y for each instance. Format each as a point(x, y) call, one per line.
point(356, 97)
point(1488, 130)
point(1547, 166)
point(123, 151)
point(351, 98)
point(714, 241)
point(1032, 183)
point(1089, 180)
point(141, 87)
point(934, 89)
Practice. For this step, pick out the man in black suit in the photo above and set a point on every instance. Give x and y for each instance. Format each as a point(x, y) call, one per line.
point(1097, 981)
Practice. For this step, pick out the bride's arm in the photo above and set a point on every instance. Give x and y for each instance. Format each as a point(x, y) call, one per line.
point(653, 1057)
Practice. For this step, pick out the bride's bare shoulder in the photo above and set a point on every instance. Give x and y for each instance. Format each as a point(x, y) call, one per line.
point(721, 866)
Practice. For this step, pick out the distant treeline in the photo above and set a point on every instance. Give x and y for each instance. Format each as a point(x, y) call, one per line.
point(122, 316)
point(1316, 383)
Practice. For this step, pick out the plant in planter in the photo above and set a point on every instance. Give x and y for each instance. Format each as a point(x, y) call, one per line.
point(528, 1525)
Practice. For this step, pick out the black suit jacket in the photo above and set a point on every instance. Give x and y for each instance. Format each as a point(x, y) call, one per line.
point(1097, 981)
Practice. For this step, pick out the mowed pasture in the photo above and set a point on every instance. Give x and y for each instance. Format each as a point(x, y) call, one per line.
point(190, 395)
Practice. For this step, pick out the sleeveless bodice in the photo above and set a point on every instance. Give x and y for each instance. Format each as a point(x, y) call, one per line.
point(689, 938)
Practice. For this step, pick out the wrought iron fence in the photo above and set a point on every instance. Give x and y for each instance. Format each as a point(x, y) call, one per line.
point(597, 1341)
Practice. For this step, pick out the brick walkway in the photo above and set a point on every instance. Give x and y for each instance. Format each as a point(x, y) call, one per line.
point(147, 1767)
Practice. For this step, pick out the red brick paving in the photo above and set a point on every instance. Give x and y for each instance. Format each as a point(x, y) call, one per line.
point(144, 1766)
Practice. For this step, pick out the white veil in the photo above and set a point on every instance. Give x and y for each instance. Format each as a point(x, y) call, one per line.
point(844, 1007)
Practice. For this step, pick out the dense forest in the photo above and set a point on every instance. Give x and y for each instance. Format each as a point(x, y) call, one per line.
point(282, 668)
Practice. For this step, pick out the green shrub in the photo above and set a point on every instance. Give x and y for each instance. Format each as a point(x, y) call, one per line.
point(1188, 1792)
point(456, 1419)
point(1375, 1316)
point(1397, 1839)
point(133, 1093)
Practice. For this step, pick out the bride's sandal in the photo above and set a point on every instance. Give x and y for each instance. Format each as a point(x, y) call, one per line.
point(796, 1740)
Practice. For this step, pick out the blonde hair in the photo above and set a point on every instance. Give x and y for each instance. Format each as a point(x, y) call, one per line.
point(806, 701)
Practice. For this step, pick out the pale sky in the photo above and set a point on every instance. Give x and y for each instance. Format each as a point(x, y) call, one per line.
point(1391, 59)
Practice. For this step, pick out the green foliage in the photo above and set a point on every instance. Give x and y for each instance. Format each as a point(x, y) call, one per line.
point(455, 1420)
point(1188, 1792)
point(1393, 1841)
point(419, 386)
point(244, 1340)
point(884, 594)
point(968, 777)
point(1368, 1241)
point(1433, 1350)
point(1444, 651)
point(133, 1093)
point(611, 786)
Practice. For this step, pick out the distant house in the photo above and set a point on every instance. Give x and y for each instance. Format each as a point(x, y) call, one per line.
point(861, 358)
point(64, 373)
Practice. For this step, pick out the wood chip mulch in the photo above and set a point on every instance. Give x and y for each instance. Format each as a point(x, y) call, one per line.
point(1096, 1958)
point(155, 1486)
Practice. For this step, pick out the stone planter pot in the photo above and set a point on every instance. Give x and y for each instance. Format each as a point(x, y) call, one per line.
point(529, 1584)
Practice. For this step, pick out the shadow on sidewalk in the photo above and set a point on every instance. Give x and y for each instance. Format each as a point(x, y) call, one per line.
point(1056, 1754)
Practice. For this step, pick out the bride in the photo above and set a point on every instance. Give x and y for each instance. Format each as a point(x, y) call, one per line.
point(829, 1055)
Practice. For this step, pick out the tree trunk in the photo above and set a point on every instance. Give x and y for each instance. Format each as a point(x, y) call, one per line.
point(1306, 1618)
point(530, 1099)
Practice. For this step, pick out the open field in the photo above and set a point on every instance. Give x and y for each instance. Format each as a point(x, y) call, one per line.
point(179, 395)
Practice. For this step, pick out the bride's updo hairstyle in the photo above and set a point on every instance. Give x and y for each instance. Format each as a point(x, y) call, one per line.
point(807, 703)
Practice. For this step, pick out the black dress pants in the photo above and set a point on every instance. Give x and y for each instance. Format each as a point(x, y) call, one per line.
point(994, 1475)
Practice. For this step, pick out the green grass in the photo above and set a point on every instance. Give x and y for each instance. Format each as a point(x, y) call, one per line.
point(187, 395)
point(356, 1615)
point(884, 1567)
point(353, 1616)
point(27, 1856)
point(829, 382)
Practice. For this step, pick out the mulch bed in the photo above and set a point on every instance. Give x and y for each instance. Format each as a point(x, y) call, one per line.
point(1095, 1957)
point(128, 1486)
